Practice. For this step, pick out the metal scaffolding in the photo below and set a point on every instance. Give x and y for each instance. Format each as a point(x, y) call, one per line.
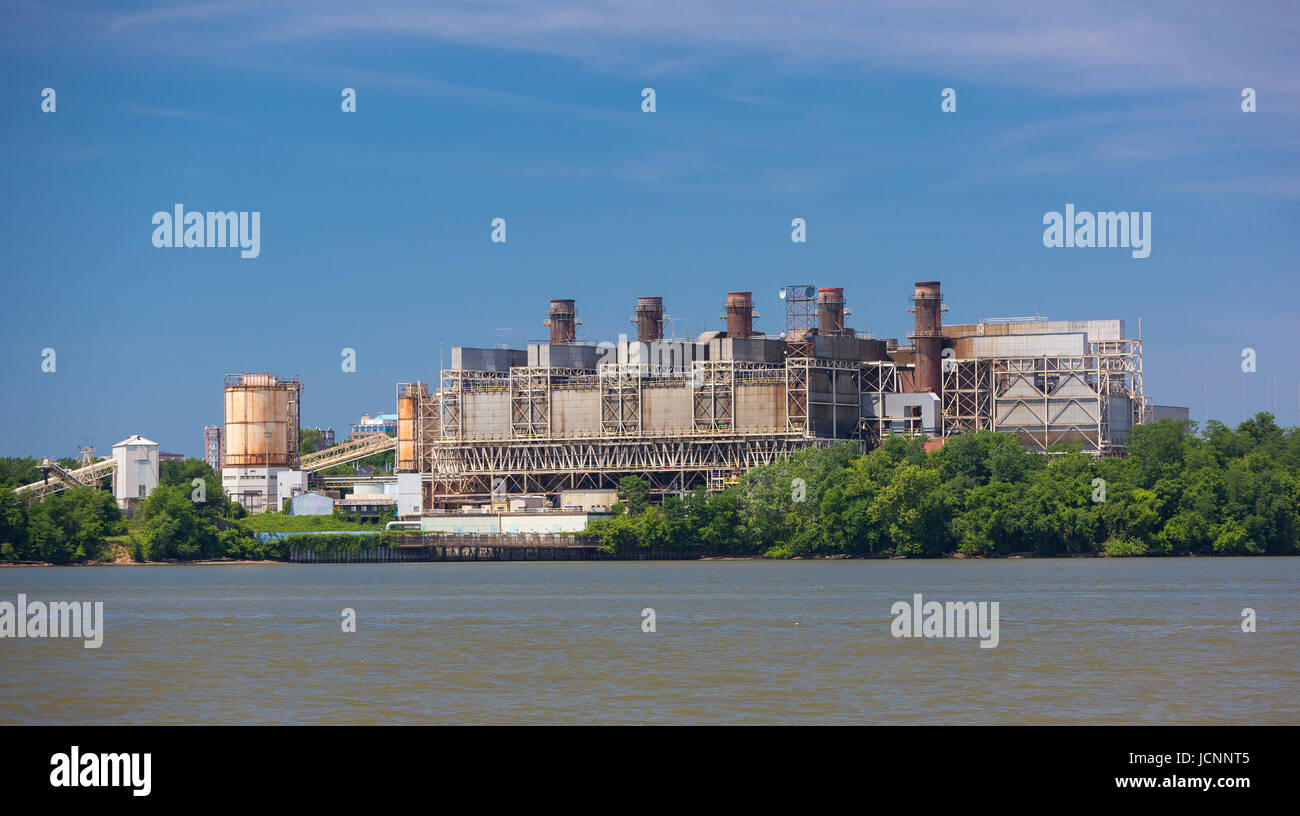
point(713, 395)
point(620, 398)
point(672, 463)
point(967, 396)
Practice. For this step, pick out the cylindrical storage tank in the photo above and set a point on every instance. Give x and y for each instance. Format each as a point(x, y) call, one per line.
point(562, 318)
point(927, 304)
point(258, 415)
point(830, 310)
point(407, 407)
point(740, 314)
point(649, 319)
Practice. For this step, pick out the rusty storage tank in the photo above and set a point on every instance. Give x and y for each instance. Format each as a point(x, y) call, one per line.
point(649, 319)
point(927, 304)
point(563, 320)
point(409, 396)
point(262, 420)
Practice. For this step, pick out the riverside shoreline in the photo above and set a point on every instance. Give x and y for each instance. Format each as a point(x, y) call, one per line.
point(832, 557)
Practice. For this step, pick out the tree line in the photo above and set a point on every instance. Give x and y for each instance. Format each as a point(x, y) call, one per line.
point(178, 520)
point(1222, 491)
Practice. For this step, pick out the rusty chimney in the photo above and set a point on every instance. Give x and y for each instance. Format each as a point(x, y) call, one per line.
point(830, 310)
point(649, 319)
point(562, 318)
point(740, 314)
point(927, 304)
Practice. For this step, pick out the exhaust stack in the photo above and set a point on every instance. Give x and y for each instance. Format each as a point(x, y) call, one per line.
point(563, 320)
point(830, 310)
point(740, 314)
point(649, 319)
point(927, 305)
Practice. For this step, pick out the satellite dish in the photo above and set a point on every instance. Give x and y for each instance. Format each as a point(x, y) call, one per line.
point(782, 293)
point(809, 292)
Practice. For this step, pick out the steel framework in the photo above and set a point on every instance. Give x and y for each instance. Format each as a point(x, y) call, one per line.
point(967, 396)
point(58, 478)
point(672, 463)
point(834, 386)
point(620, 398)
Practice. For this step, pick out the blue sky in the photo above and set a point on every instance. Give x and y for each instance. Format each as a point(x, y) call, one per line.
point(375, 230)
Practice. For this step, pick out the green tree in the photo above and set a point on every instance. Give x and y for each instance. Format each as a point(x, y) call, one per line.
point(635, 493)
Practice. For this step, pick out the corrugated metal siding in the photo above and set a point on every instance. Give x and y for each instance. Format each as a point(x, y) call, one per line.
point(486, 413)
point(760, 405)
point(575, 410)
point(666, 407)
point(1023, 345)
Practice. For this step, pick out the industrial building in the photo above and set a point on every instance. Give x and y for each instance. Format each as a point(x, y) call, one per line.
point(135, 471)
point(261, 466)
point(214, 446)
point(697, 412)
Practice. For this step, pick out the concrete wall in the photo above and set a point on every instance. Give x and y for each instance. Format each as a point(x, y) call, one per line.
point(760, 405)
point(747, 349)
point(409, 498)
point(554, 522)
point(666, 407)
point(486, 413)
point(485, 359)
point(137, 469)
point(575, 410)
point(1066, 344)
point(894, 409)
point(677, 354)
point(568, 356)
point(1159, 412)
point(1095, 329)
point(848, 348)
point(589, 500)
point(249, 486)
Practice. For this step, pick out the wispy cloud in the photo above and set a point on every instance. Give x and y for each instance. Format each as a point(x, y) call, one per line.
point(1059, 44)
point(1286, 187)
point(201, 117)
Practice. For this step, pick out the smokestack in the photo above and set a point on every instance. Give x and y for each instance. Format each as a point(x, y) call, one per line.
point(927, 305)
point(830, 310)
point(563, 321)
point(740, 314)
point(649, 319)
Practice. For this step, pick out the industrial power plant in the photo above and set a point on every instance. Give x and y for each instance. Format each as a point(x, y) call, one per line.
point(567, 417)
point(556, 425)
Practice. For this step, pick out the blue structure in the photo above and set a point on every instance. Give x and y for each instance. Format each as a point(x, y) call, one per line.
point(383, 423)
point(311, 504)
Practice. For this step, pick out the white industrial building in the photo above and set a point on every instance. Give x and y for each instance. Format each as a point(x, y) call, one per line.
point(135, 474)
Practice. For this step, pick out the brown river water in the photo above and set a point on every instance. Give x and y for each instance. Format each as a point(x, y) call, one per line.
point(1110, 641)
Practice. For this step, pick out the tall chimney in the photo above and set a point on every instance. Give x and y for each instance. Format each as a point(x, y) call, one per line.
point(563, 321)
point(740, 314)
point(649, 319)
point(927, 305)
point(830, 310)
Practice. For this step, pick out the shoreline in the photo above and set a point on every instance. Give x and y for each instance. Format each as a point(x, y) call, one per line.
point(834, 557)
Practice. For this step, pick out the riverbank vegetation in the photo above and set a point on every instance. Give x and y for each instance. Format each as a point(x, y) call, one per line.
point(180, 520)
point(1221, 492)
